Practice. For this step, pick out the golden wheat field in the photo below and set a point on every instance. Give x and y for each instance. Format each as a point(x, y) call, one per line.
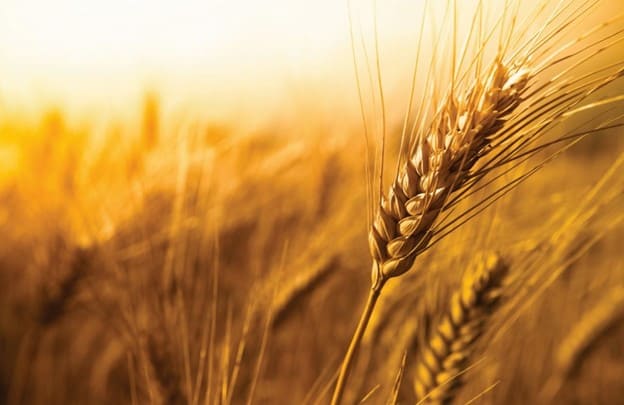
point(197, 198)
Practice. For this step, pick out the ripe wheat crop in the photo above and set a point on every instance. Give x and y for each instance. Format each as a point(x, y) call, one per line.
point(181, 255)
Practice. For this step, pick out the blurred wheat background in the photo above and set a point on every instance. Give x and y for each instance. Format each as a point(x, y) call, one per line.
point(184, 204)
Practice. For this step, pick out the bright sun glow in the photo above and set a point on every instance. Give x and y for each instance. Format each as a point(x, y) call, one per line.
point(76, 48)
point(219, 52)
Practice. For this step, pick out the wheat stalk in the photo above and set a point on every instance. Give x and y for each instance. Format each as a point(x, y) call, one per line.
point(608, 311)
point(576, 345)
point(448, 349)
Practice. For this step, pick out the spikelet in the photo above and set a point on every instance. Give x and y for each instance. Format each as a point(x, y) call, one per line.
point(438, 164)
point(449, 346)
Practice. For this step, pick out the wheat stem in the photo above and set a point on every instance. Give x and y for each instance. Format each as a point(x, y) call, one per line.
point(354, 345)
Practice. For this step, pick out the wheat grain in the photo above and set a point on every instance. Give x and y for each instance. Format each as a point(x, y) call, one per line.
point(449, 347)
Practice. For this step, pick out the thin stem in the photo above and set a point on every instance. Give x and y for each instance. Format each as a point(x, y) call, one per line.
point(355, 343)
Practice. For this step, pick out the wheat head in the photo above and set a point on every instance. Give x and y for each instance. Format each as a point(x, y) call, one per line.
point(448, 348)
point(438, 164)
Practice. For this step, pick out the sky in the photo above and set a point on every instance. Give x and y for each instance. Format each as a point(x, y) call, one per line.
point(85, 50)
point(220, 53)
point(223, 54)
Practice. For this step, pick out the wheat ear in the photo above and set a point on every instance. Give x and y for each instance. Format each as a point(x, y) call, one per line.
point(449, 346)
point(436, 165)
point(439, 164)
